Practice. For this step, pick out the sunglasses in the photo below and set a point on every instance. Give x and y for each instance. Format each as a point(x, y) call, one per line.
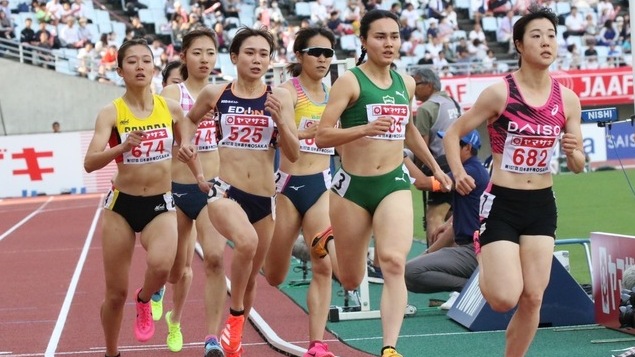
point(319, 51)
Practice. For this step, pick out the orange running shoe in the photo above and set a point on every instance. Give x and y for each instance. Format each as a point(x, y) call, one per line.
point(318, 245)
point(232, 335)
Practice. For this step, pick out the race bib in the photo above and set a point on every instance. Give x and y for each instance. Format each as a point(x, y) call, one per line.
point(205, 138)
point(400, 117)
point(308, 145)
point(242, 131)
point(528, 154)
point(341, 182)
point(155, 146)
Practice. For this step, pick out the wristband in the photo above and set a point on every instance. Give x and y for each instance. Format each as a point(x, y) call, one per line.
point(436, 185)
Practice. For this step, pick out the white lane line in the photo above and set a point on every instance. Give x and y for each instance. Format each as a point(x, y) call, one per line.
point(61, 320)
point(25, 219)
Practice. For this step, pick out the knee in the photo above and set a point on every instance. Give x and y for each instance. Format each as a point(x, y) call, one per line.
point(502, 302)
point(392, 265)
point(274, 276)
point(350, 282)
point(321, 268)
point(116, 297)
point(531, 300)
point(246, 244)
point(414, 279)
point(213, 263)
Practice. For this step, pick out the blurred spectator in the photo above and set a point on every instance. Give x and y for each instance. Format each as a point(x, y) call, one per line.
point(615, 55)
point(4, 7)
point(396, 9)
point(86, 57)
point(41, 15)
point(479, 9)
point(452, 16)
point(84, 32)
point(410, 14)
point(608, 35)
point(44, 58)
point(352, 14)
point(138, 31)
point(109, 59)
point(56, 127)
point(433, 29)
point(440, 61)
point(426, 59)
point(168, 9)
point(221, 37)
point(79, 10)
point(505, 32)
point(276, 13)
point(336, 25)
point(477, 32)
point(445, 30)
point(102, 44)
point(436, 9)
point(445, 72)
point(132, 8)
point(69, 35)
point(263, 14)
point(574, 23)
point(179, 11)
point(6, 26)
point(319, 13)
point(54, 9)
point(102, 76)
point(488, 62)
point(434, 46)
point(590, 28)
point(573, 58)
point(590, 53)
point(27, 35)
point(66, 12)
point(499, 8)
point(157, 48)
point(477, 49)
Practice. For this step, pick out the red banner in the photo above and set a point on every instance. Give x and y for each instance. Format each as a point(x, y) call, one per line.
point(611, 255)
point(609, 86)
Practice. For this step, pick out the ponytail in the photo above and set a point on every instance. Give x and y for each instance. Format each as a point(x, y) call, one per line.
point(361, 57)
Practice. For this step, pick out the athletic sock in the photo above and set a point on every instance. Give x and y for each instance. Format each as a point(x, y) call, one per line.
point(236, 312)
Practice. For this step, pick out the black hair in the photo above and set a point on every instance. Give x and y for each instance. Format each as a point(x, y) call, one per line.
point(534, 12)
point(121, 53)
point(167, 69)
point(245, 32)
point(302, 38)
point(189, 38)
point(367, 20)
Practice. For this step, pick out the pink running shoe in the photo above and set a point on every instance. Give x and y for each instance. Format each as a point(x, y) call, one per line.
point(319, 349)
point(144, 324)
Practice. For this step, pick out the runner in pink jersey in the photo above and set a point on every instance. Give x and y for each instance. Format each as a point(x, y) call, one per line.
point(528, 114)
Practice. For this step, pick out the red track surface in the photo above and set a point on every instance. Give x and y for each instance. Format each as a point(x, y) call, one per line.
point(52, 287)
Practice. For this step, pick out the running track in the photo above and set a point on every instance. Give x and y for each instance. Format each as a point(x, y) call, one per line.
point(52, 288)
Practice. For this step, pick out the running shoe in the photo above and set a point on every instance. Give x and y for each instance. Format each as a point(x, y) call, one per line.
point(212, 348)
point(391, 352)
point(157, 304)
point(175, 337)
point(375, 275)
point(232, 335)
point(144, 325)
point(448, 304)
point(627, 353)
point(319, 349)
point(318, 245)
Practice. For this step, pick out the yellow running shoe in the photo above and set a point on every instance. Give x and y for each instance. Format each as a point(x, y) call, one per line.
point(175, 337)
point(391, 352)
point(157, 304)
point(318, 245)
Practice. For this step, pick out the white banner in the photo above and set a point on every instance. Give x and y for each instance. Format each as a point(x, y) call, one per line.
point(49, 164)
